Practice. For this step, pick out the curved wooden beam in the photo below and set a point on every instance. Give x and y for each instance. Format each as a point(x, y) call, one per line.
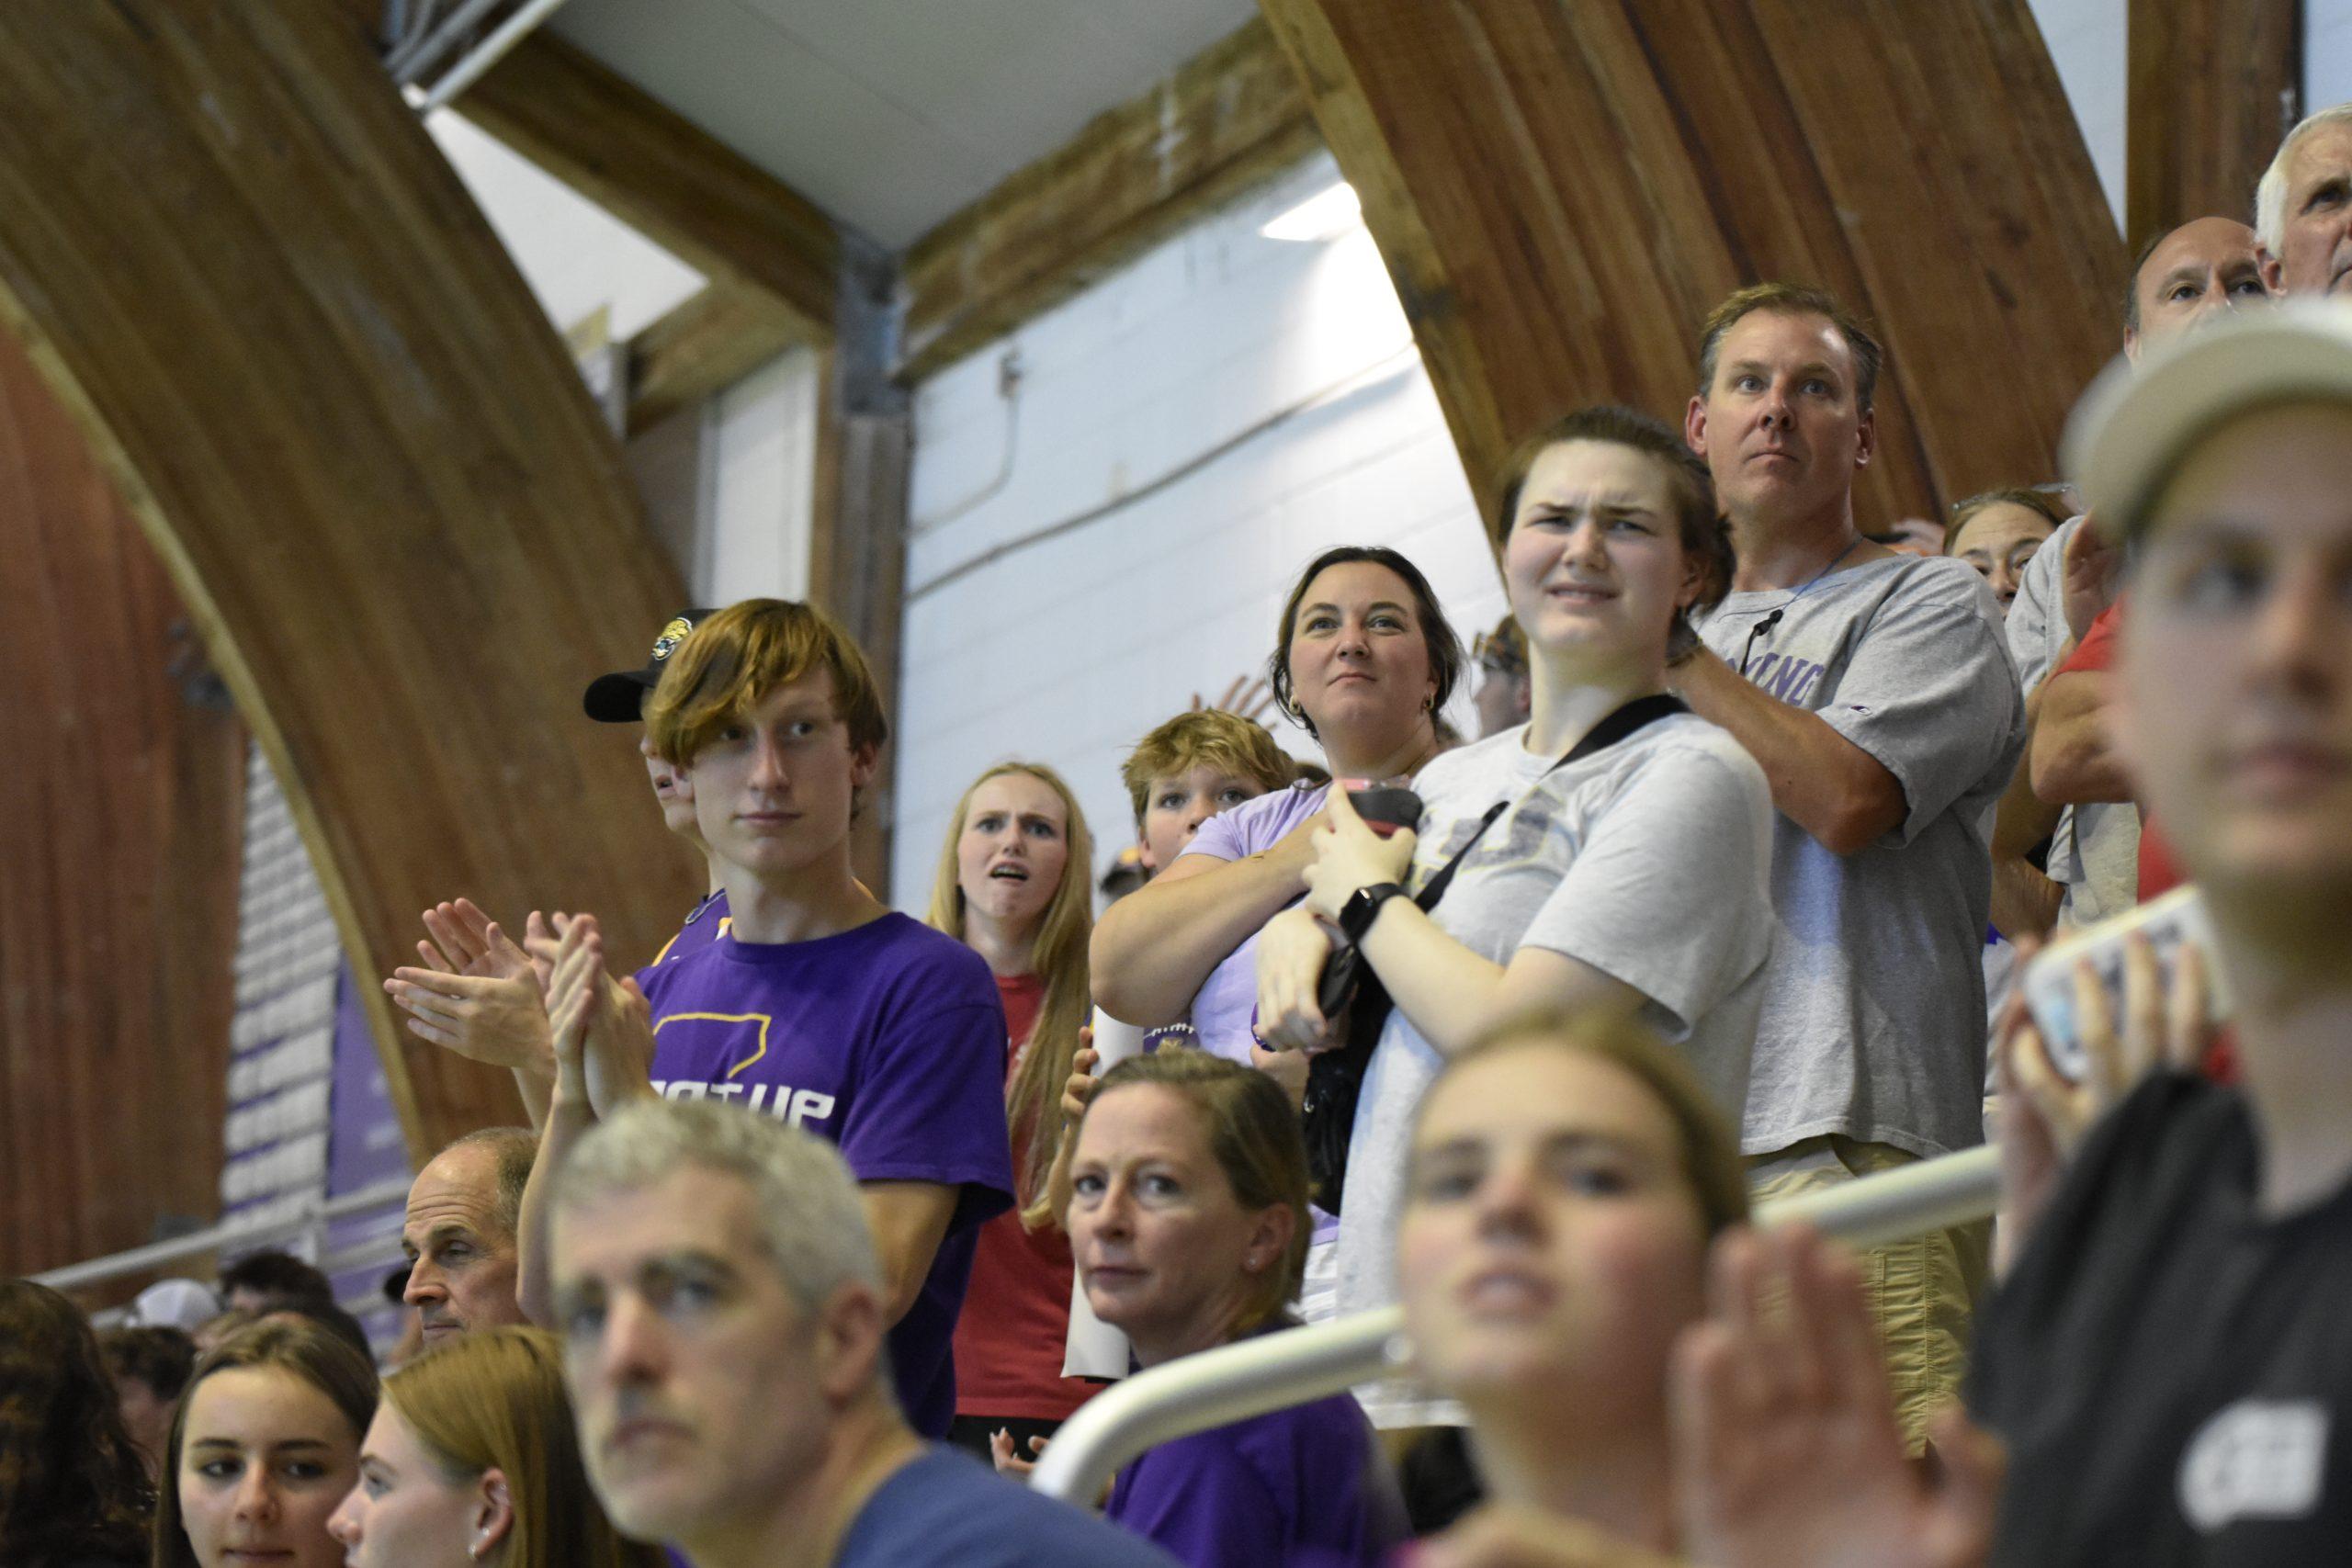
point(1563, 190)
point(330, 402)
point(120, 828)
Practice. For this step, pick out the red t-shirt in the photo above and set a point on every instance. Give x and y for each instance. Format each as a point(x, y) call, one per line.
point(1013, 1335)
point(2097, 650)
point(2159, 871)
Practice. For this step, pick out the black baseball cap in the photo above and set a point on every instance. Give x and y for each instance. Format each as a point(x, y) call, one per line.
point(615, 698)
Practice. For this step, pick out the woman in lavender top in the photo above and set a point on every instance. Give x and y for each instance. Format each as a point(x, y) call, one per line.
point(1363, 660)
point(1187, 1212)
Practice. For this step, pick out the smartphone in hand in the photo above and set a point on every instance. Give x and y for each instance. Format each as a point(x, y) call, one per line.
point(2168, 922)
point(1385, 805)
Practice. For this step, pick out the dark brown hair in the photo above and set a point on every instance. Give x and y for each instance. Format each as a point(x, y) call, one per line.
point(1253, 1134)
point(1792, 299)
point(1446, 657)
point(72, 1484)
point(295, 1346)
point(1699, 521)
point(157, 1355)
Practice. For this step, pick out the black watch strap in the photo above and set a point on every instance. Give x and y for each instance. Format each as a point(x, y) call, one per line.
point(1364, 906)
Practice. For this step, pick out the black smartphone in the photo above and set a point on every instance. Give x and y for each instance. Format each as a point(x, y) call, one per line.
point(1386, 808)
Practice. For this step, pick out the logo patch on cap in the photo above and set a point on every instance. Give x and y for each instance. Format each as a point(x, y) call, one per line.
point(671, 635)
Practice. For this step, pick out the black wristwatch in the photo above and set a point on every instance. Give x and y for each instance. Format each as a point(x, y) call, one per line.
point(1363, 907)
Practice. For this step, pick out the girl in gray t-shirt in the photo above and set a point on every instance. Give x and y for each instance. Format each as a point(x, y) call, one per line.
point(1631, 878)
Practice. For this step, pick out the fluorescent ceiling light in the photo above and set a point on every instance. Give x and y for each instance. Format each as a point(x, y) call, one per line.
point(1327, 214)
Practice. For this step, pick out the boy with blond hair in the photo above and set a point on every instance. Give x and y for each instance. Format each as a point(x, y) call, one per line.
point(1192, 767)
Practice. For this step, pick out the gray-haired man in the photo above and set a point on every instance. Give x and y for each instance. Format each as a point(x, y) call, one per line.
point(722, 1308)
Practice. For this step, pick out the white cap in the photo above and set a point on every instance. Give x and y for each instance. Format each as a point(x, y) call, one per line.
point(2134, 425)
point(174, 1304)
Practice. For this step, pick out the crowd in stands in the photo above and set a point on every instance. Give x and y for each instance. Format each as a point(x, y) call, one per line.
point(1724, 906)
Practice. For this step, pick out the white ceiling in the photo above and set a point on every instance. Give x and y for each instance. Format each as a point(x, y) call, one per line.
point(893, 113)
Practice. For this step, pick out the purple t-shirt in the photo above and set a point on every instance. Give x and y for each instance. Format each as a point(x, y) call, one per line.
point(706, 923)
point(1223, 1006)
point(887, 1040)
point(1304, 1487)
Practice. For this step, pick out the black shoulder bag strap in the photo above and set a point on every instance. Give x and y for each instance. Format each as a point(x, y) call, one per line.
point(1335, 1079)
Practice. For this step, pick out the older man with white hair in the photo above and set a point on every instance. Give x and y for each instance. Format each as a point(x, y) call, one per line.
point(726, 1340)
point(2303, 208)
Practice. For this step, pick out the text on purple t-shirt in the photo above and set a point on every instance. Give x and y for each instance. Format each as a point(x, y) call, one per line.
point(887, 1041)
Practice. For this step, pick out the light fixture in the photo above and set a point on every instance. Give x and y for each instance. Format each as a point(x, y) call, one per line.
point(1327, 214)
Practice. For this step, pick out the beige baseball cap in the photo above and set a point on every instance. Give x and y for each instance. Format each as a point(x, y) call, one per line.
point(2135, 425)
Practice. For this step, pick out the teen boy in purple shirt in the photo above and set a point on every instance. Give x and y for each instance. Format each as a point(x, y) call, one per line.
point(817, 1007)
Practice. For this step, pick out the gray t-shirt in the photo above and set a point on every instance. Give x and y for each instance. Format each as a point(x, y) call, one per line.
point(1874, 1020)
point(2095, 849)
point(1648, 860)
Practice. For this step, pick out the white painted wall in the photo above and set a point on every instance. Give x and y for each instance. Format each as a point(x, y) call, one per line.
point(1283, 377)
point(574, 255)
point(2327, 53)
point(758, 471)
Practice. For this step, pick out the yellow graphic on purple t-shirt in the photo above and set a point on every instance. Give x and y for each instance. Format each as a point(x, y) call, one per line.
point(763, 1019)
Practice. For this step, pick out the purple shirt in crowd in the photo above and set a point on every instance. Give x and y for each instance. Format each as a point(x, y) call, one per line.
point(887, 1041)
point(706, 923)
point(1303, 1487)
point(1223, 1006)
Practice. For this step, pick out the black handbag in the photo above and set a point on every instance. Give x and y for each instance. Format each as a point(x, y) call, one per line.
point(1334, 1077)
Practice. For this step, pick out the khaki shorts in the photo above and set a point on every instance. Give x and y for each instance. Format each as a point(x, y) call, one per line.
point(1921, 1290)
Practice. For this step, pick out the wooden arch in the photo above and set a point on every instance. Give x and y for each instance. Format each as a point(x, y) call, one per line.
point(1562, 189)
point(330, 401)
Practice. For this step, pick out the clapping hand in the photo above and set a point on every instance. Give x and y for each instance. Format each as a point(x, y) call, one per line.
point(477, 993)
point(603, 1026)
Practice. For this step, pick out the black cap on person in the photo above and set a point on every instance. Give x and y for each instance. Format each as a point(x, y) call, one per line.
point(615, 698)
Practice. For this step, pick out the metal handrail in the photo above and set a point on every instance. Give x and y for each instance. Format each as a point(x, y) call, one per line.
point(1234, 1382)
point(234, 1233)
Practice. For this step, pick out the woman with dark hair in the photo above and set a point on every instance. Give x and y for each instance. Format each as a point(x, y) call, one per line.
point(267, 1443)
point(1187, 1211)
point(74, 1491)
point(1612, 854)
point(1363, 658)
